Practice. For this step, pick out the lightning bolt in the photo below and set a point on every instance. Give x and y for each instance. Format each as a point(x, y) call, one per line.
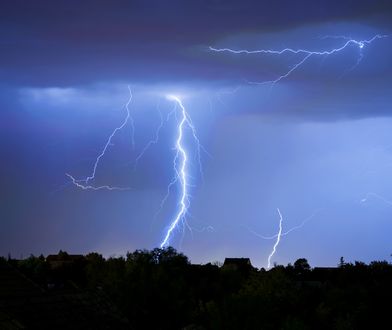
point(181, 158)
point(278, 236)
point(307, 54)
point(84, 183)
point(180, 165)
point(180, 161)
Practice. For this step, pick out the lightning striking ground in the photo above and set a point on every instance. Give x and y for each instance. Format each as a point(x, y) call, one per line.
point(307, 54)
point(180, 165)
point(84, 183)
point(277, 239)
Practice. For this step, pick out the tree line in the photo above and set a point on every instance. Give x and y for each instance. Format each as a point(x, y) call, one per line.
point(161, 289)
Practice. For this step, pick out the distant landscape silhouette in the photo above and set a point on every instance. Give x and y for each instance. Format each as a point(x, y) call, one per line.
point(161, 289)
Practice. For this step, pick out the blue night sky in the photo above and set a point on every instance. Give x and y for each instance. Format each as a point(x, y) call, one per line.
point(317, 144)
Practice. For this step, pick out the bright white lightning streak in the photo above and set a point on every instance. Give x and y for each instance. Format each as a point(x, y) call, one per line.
point(84, 183)
point(180, 170)
point(308, 53)
point(176, 177)
point(277, 239)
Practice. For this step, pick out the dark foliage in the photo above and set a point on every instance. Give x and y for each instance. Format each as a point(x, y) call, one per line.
point(160, 289)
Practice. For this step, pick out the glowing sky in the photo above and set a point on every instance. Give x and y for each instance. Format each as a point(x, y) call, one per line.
point(318, 144)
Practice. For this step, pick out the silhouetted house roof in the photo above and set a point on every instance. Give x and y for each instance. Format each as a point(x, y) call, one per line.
point(25, 305)
point(237, 264)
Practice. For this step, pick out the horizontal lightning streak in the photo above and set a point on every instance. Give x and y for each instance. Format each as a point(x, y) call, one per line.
point(308, 53)
point(359, 43)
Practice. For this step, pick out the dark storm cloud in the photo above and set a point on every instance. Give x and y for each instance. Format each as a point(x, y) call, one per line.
point(63, 68)
point(71, 42)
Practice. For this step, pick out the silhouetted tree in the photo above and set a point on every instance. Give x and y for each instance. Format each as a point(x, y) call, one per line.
point(301, 266)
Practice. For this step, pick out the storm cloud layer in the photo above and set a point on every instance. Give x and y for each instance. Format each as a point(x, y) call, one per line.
point(316, 142)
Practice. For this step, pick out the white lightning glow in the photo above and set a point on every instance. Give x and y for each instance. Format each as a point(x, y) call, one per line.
point(307, 53)
point(84, 183)
point(180, 165)
point(278, 236)
point(181, 158)
point(180, 161)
